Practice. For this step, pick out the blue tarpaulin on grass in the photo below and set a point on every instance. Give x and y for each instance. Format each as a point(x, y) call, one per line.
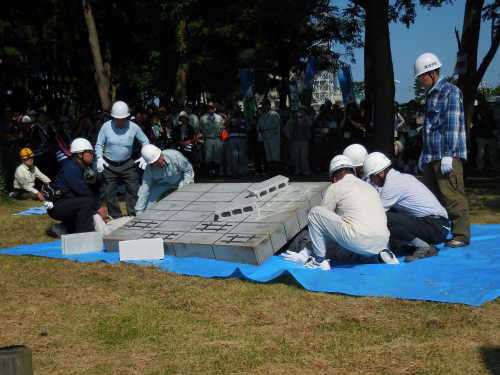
point(33, 211)
point(468, 275)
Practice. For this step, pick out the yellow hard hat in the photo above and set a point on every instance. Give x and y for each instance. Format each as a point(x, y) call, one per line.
point(26, 153)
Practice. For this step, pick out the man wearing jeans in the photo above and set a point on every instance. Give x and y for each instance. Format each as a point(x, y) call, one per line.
point(114, 158)
point(444, 145)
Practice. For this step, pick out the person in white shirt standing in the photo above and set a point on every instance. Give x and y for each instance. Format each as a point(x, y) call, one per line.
point(351, 217)
point(25, 177)
point(414, 215)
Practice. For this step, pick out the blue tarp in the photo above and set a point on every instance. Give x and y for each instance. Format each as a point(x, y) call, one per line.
point(468, 275)
point(33, 211)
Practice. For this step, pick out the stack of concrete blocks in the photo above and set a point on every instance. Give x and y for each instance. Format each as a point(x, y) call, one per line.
point(234, 222)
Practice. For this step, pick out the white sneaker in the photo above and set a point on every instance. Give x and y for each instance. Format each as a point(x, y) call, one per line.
point(313, 263)
point(387, 257)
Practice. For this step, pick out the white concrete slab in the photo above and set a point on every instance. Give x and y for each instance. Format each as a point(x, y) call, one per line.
point(81, 243)
point(143, 249)
point(187, 227)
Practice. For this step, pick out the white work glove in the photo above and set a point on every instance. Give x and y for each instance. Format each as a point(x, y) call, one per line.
point(142, 163)
point(301, 257)
point(446, 165)
point(100, 164)
point(420, 165)
point(48, 205)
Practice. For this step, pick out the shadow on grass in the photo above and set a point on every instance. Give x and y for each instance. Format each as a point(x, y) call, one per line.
point(491, 358)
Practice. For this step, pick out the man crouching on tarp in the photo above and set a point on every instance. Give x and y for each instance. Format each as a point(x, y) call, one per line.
point(74, 202)
point(351, 218)
point(166, 169)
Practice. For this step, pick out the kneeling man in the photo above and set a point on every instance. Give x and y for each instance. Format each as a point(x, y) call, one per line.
point(75, 204)
point(166, 169)
point(414, 215)
point(351, 217)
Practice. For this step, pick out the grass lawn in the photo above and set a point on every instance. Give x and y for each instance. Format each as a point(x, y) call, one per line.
point(96, 318)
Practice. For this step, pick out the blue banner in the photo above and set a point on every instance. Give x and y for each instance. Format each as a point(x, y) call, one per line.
point(310, 71)
point(246, 81)
point(345, 81)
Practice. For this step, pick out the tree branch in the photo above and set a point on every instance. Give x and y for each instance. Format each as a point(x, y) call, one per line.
point(488, 58)
point(458, 38)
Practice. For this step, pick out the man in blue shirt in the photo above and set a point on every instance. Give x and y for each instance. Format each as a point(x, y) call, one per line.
point(114, 158)
point(414, 215)
point(444, 145)
point(74, 202)
point(166, 169)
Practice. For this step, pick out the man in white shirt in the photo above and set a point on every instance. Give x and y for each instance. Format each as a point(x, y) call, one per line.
point(25, 177)
point(414, 215)
point(351, 217)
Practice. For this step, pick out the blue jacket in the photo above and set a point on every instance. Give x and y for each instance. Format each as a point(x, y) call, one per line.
point(71, 182)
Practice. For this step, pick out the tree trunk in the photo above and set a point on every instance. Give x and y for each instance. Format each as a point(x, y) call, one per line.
point(369, 74)
point(102, 71)
point(469, 81)
point(381, 76)
point(182, 69)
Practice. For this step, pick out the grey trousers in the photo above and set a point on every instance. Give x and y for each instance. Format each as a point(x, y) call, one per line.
point(126, 174)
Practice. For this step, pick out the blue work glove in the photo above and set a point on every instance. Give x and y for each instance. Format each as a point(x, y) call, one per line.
point(446, 165)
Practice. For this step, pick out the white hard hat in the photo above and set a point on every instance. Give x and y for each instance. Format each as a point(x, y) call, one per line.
point(357, 153)
point(374, 163)
point(120, 110)
point(425, 63)
point(80, 145)
point(26, 120)
point(339, 162)
point(183, 113)
point(150, 153)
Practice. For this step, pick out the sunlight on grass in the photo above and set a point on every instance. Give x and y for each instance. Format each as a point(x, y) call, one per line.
point(98, 318)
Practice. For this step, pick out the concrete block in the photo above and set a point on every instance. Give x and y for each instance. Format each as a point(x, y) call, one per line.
point(142, 224)
point(236, 187)
point(190, 216)
point(241, 248)
point(202, 206)
point(187, 196)
point(270, 186)
point(217, 197)
point(156, 215)
point(236, 208)
point(170, 205)
point(81, 243)
point(176, 225)
point(188, 228)
point(144, 249)
point(275, 230)
point(195, 245)
point(196, 188)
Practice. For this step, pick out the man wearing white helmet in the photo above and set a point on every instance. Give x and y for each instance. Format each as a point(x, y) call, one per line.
point(114, 158)
point(351, 217)
point(357, 153)
point(166, 169)
point(414, 215)
point(444, 145)
point(74, 202)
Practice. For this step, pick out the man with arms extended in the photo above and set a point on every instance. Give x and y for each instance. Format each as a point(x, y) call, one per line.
point(444, 145)
point(114, 158)
point(166, 169)
point(414, 215)
point(351, 217)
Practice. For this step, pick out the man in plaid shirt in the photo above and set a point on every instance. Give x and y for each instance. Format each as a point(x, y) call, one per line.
point(444, 145)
